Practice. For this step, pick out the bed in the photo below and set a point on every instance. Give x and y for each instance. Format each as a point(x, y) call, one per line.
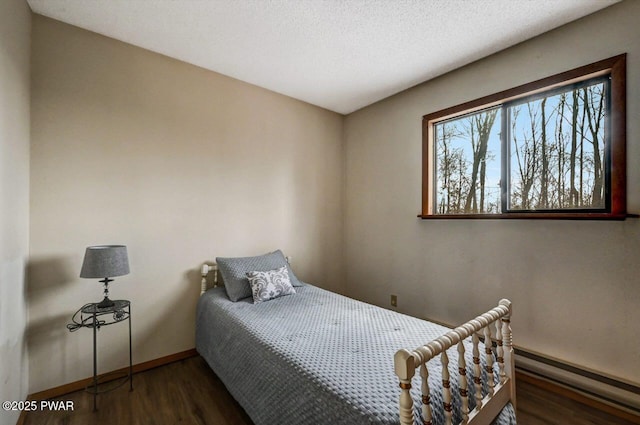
point(316, 357)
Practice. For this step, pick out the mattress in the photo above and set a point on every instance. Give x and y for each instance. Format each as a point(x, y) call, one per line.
point(317, 357)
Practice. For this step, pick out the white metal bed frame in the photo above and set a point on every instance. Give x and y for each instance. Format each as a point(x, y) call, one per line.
point(406, 362)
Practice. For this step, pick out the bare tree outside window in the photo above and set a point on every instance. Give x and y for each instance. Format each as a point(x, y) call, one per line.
point(554, 148)
point(468, 164)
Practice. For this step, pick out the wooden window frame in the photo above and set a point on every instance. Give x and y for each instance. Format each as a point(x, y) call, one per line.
point(616, 204)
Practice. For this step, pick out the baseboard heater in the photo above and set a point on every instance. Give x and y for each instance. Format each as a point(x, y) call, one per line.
point(605, 389)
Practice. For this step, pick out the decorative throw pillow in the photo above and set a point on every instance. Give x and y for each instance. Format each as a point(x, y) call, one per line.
point(234, 272)
point(271, 284)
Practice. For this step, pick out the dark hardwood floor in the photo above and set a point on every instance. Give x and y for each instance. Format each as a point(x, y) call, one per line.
point(188, 392)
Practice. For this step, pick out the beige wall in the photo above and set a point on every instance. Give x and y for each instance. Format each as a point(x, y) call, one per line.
point(15, 29)
point(181, 165)
point(575, 285)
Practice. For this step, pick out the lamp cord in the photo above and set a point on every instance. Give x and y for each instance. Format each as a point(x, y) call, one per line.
point(86, 322)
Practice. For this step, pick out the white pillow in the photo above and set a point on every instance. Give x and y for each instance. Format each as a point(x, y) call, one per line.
point(271, 284)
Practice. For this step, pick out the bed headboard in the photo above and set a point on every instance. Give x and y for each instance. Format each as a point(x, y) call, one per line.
point(208, 268)
point(204, 271)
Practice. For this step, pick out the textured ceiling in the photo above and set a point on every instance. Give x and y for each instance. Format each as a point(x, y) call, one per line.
point(338, 54)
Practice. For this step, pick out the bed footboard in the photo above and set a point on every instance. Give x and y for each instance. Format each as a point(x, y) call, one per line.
point(487, 407)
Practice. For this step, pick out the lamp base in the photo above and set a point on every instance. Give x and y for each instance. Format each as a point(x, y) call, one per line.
point(106, 303)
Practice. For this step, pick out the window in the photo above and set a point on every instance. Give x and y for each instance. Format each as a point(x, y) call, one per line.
point(554, 148)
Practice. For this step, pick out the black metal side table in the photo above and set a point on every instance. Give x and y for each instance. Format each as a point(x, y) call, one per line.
point(93, 316)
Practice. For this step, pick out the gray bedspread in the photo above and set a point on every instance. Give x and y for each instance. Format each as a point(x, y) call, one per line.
point(316, 357)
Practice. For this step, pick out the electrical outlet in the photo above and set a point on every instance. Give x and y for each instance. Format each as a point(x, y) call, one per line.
point(394, 301)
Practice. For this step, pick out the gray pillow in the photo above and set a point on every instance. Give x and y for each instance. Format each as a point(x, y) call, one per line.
point(268, 285)
point(234, 272)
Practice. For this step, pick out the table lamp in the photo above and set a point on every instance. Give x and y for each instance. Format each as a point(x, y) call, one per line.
point(105, 261)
